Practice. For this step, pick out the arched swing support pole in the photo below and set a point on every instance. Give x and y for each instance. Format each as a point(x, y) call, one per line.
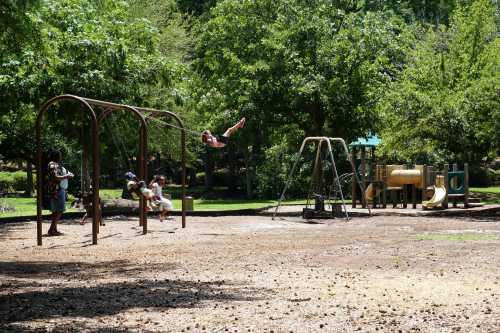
point(96, 123)
point(353, 167)
point(336, 176)
point(95, 161)
point(159, 113)
point(143, 134)
point(320, 139)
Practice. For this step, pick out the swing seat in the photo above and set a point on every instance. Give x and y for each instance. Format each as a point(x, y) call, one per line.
point(311, 213)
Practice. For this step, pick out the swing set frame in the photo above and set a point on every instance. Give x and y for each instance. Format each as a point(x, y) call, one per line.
point(328, 141)
point(96, 123)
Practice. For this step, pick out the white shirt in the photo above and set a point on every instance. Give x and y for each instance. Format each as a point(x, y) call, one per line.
point(157, 190)
point(64, 183)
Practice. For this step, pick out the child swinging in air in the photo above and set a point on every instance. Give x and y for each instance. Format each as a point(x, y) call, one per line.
point(220, 141)
point(138, 187)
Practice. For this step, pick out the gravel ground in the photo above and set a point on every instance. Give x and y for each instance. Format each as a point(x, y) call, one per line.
point(252, 274)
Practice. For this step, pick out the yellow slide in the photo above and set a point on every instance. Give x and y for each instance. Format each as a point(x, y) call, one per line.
point(439, 194)
point(369, 193)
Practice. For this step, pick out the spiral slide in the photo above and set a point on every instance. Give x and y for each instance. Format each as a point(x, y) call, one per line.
point(437, 199)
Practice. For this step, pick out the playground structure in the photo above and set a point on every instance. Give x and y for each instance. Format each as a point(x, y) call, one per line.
point(90, 106)
point(429, 186)
point(320, 191)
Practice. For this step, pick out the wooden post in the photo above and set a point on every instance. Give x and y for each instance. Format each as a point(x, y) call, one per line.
point(405, 196)
point(466, 185)
point(455, 184)
point(414, 196)
point(363, 177)
point(354, 179)
point(424, 182)
point(317, 169)
point(445, 176)
point(384, 188)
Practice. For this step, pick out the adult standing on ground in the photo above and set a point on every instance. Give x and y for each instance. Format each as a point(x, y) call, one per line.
point(58, 185)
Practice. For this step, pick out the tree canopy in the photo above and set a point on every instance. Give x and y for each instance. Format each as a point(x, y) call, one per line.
point(422, 74)
point(445, 105)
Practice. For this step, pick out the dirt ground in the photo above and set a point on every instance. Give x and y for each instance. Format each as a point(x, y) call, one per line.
point(252, 274)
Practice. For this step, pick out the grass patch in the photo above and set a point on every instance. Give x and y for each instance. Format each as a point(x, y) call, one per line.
point(491, 189)
point(489, 195)
point(27, 206)
point(468, 236)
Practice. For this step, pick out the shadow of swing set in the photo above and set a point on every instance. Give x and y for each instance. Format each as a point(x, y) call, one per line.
point(98, 112)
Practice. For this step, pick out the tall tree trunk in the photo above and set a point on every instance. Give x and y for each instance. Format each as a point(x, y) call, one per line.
point(29, 179)
point(233, 177)
point(248, 173)
point(209, 169)
point(318, 119)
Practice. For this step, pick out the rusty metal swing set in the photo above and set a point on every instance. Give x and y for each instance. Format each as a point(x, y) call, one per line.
point(90, 106)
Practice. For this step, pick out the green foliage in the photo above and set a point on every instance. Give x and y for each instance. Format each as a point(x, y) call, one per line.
point(314, 64)
point(15, 25)
point(294, 69)
point(222, 177)
point(12, 181)
point(445, 105)
point(433, 12)
point(410, 70)
point(195, 7)
point(87, 48)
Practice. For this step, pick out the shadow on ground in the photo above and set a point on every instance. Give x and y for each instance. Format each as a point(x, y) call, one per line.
point(73, 327)
point(113, 298)
point(78, 270)
point(8, 230)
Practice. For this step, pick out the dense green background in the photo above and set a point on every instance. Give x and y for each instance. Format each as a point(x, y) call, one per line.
point(423, 75)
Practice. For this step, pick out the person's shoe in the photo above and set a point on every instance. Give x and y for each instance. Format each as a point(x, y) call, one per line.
point(241, 123)
point(54, 233)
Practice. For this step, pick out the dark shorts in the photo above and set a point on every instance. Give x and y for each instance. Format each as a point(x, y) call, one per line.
point(58, 203)
point(222, 139)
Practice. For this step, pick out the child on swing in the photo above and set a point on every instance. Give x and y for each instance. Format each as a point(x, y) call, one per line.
point(138, 187)
point(164, 204)
point(220, 141)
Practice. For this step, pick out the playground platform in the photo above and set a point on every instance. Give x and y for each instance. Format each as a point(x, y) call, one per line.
point(474, 210)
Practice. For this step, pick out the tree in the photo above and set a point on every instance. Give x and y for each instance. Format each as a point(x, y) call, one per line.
point(316, 64)
point(88, 48)
point(445, 105)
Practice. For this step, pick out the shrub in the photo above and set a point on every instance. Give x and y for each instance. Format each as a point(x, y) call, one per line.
point(13, 181)
point(495, 176)
point(222, 177)
point(479, 176)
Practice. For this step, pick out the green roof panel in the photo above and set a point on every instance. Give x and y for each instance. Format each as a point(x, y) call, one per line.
point(371, 141)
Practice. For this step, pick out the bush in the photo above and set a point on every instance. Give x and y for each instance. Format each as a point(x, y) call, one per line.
point(495, 176)
point(480, 176)
point(275, 169)
point(222, 177)
point(13, 181)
